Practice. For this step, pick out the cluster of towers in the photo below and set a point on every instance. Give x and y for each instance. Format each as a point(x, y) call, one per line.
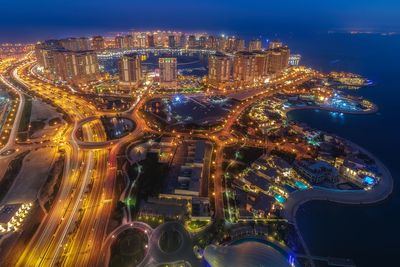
point(69, 60)
point(247, 67)
point(75, 59)
point(131, 75)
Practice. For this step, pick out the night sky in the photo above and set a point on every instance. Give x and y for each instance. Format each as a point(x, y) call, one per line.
point(28, 20)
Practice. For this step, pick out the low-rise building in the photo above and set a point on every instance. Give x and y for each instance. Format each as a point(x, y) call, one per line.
point(252, 205)
point(316, 171)
point(166, 207)
point(12, 216)
point(357, 171)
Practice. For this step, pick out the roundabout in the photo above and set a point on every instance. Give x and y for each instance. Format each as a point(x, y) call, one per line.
point(169, 243)
point(132, 130)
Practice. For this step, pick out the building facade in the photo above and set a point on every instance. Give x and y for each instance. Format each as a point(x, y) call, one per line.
point(244, 66)
point(255, 45)
point(219, 69)
point(60, 63)
point(275, 44)
point(171, 41)
point(278, 59)
point(76, 44)
point(119, 42)
point(130, 71)
point(98, 43)
point(168, 71)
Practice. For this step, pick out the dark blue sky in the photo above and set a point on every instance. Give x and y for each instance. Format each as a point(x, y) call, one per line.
point(30, 20)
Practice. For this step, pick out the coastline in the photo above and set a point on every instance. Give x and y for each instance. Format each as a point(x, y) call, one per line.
point(364, 112)
point(377, 194)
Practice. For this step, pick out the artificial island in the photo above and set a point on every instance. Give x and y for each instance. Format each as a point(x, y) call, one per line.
point(165, 148)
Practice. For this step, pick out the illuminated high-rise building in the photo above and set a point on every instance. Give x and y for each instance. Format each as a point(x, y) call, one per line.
point(98, 43)
point(212, 42)
point(85, 66)
point(60, 63)
point(76, 44)
point(219, 69)
point(275, 44)
point(109, 42)
point(141, 41)
point(75, 66)
point(261, 64)
point(234, 44)
point(128, 41)
point(255, 45)
point(230, 44)
point(168, 70)
point(44, 53)
point(202, 41)
point(222, 44)
point(182, 40)
point(150, 41)
point(171, 41)
point(119, 42)
point(239, 45)
point(130, 70)
point(192, 43)
point(244, 67)
point(278, 59)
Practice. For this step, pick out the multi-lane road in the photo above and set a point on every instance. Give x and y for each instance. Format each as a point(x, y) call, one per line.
point(77, 216)
point(72, 233)
point(21, 103)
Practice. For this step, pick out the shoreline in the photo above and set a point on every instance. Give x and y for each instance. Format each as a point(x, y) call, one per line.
point(377, 194)
point(385, 186)
point(372, 111)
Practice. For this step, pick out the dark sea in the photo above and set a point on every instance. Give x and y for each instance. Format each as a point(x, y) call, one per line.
point(370, 234)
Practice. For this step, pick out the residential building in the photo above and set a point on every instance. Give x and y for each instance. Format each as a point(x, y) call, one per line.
point(119, 42)
point(275, 44)
point(150, 41)
point(255, 45)
point(277, 59)
point(171, 41)
point(219, 69)
point(98, 43)
point(244, 67)
point(316, 171)
point(130, 70)
point(168, 71)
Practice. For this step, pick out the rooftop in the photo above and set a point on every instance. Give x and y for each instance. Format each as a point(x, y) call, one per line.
point(245, 254)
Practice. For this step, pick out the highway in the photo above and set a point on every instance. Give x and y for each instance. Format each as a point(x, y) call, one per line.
point(21, 103)
point(73, 231)
point(64, 231)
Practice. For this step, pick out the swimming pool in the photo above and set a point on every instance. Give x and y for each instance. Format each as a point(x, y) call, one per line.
point(300, 185)
point(280, 199)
